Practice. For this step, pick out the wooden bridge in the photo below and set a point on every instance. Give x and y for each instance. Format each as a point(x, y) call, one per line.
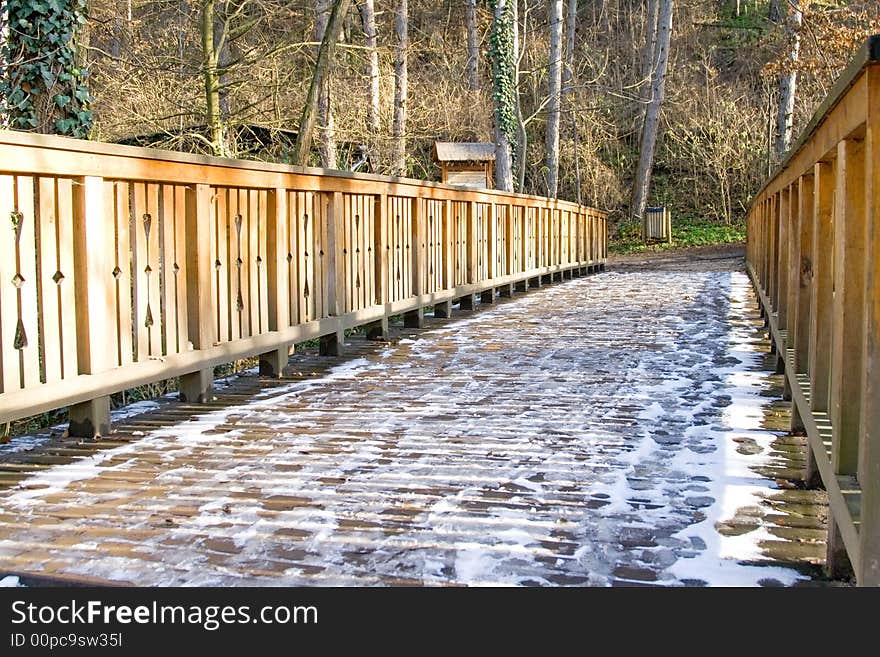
point(590, 433)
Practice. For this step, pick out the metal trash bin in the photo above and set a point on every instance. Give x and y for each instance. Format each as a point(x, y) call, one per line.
point(657, 225)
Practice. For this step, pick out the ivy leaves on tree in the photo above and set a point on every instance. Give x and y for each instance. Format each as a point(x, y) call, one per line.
point(44, 88)
point(504, 70)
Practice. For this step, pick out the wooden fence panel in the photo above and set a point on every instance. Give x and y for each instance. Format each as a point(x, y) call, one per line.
point(812, 256)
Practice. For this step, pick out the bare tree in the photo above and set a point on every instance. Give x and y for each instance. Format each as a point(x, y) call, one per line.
point(651, 16)
point(788, 78)
point(326, 128)
point(303, 144)
point(551, 141)
point(568, 82)
point(473, 44)
point(398, 123)
point(368, 17)
point(501, 52)
point(642, 182)
point(522, 137)
point(211, 46)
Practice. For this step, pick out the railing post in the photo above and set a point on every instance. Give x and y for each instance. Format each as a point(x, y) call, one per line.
point(781, 296)
point(803, 273)
point(277, 282)
point(94, 291)
point(799, 286)
point(848, 304)
point(821, 290)
point(416, 318)
point(789, 278)
point(333, 344)
point(198, 386)
point(868, 571)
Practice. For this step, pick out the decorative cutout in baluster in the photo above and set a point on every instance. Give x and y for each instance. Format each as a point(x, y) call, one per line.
point(397, 246)
point(148, 225)
point(239, 300)
point(305, 234)
point(357, 251)
point(20, 341)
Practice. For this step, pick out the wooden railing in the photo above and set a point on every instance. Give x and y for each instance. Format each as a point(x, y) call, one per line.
point(121, 266)
point(814, 257)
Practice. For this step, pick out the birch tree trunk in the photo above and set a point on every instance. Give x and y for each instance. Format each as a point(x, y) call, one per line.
point(398, 124)
point(368, 16)
point(642, 182)
point(504, 85)
point(473, 44)
point(326, 128)
point(568, 81)
point(551, 140)
point(303, 144)
point(788, 79)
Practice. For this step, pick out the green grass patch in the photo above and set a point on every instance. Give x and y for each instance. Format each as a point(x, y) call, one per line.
point(686, 232)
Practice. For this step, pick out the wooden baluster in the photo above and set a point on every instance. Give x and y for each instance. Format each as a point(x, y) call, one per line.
point(847, 330)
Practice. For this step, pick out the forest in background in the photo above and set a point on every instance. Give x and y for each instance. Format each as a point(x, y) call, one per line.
point(143, 63)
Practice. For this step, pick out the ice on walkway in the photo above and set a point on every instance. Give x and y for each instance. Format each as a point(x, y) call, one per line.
point(579, 435)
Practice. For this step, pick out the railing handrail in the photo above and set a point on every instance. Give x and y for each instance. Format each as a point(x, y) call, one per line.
point(335, 179)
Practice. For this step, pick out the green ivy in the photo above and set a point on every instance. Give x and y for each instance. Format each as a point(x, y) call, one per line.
point(504, 72)
point(44, 89)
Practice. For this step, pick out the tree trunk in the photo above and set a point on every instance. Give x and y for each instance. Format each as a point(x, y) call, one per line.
point(788, 81)
point(648, 57)
point(224, 58)
point(473, 44)
point(303, 144)
point(368, 16)
point(568, 83)
point(642, 182)
point(326, 128)
point(504, 84)
point(398, 125)
point(551, 141)
point(522, 137)
point(213, 116)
